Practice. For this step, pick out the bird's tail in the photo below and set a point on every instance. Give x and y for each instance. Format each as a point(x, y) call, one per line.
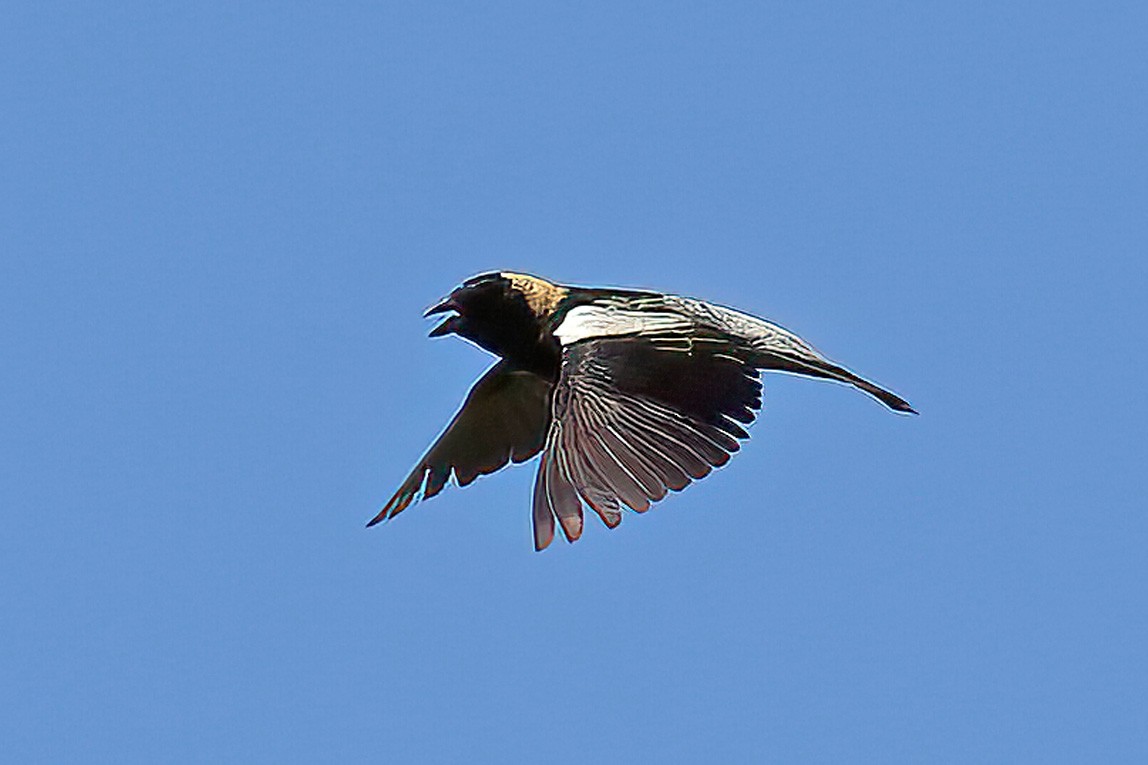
point(814, 365)
point(773, 347)
point(777, 348)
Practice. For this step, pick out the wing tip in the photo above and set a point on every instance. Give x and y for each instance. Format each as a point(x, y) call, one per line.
point(542, 541)
point(385, 514)
point(401, 501)
point(572, 527)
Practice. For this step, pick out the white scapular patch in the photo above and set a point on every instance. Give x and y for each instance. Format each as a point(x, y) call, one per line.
point(589, 321)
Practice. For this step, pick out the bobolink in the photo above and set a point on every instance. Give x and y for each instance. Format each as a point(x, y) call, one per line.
point(627, 394)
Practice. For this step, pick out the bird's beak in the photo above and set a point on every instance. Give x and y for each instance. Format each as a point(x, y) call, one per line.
point(445, 328)
point(449, 324)
point(447, 304)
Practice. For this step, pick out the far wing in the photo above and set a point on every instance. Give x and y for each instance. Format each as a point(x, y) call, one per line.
point(635, 418)
point(504, 418)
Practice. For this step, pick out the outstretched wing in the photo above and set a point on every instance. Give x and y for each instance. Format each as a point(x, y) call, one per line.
point(504, 418)
point(637, 416)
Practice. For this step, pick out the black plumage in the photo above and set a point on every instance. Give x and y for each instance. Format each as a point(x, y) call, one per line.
point(628, 395)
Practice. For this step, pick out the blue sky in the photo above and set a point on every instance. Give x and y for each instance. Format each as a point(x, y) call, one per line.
point(220, 225)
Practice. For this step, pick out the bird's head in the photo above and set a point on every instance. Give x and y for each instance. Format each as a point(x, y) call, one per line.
point(503, 312)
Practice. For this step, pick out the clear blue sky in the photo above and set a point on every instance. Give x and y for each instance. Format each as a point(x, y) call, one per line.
point(220, 222)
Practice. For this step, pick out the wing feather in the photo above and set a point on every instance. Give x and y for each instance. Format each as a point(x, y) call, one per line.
point(592, 487)
point(504, 418)
point(555, 497)
point(633, 421)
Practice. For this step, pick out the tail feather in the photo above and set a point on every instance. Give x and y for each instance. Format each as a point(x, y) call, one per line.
point(815, 366)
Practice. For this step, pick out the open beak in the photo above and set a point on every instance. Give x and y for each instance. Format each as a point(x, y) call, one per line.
point(448, 325)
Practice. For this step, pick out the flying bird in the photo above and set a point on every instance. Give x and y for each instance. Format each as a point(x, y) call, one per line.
point(628, 395)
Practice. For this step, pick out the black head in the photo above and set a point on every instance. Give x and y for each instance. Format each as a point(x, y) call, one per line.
point(504, 313)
